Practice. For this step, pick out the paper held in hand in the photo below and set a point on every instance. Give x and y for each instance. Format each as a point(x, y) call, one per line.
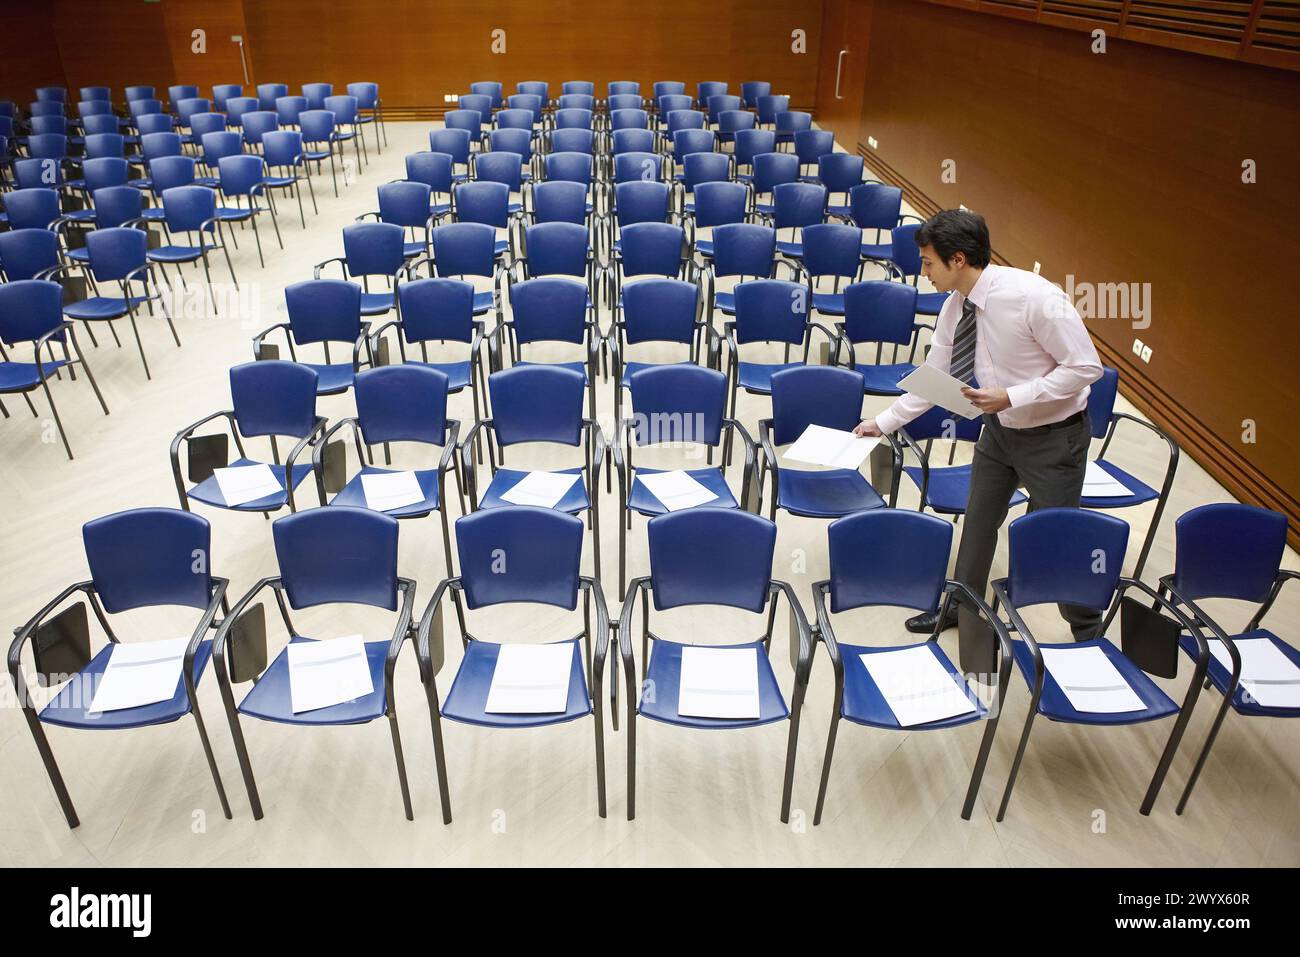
point(676, 490)
point(531, 679)
point(719, 683)
point(329, 672)
point(540, 488)
point(389, 490)
point(246, 483)
point(831, 447)
point(939, 388)
point(138, 674)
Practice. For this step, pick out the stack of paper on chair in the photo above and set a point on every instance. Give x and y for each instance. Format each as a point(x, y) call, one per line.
point(676, 489)
point(246, 483)
point(541, 488)
point(389, 490)
point(531, 679)
point(326, 673)
point(917, 688)
point(138, 674)
point(1090, 681)
point(1268, 676)
point(719, 683)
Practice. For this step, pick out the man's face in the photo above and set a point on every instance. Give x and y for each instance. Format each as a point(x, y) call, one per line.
point(942, 275)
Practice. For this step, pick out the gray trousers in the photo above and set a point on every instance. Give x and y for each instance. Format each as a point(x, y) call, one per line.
point(1049, 461)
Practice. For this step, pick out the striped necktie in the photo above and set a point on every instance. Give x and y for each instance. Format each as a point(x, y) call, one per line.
point(962, 366)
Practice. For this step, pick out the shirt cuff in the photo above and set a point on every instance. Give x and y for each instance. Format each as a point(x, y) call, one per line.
point(887, 422)
point(1019, 395)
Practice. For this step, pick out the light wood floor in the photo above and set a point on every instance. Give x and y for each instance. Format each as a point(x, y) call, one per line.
point(145, 797)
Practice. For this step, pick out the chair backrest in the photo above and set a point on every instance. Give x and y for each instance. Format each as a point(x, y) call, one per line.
point(537, 403)
point(105, 145)
point(581, 87)
point(95, 93)
point(464, 248)
point(556, 249)
point(404, 203)
point(97, 107)
point(145, 557)
point(620, 87)
point(559, 201)
point(875, 205)
point(511, 140)
point(501, 166)
point(32, 207)
point(257, 124)
point(839, 172)
point(719, 203)
point(671, 102)
point(366, 94)
point(317, 126)
point(344, 108)
point(664, 88)
point(316, 94)
point(627, 118)
point(116, 253)
point(168, 172)
point(705, 167)
point(273, 397)
point(811, 145)
point(47, 145)
point(155, 145)
point(217, 146)
point(888, 556)
point(569, 167)
point(1101, 401)
point(201, 124)
point(480, 103)
point(338, 554)
point(222, 92)
point(151, 124)
point(527, 101)
point(289, 108)
point(624, 101)
point(744, 249)
point(832, 249)
point(437, 309)
point(269, 93)
point(751, 90)
point(1228, 550)
point(104, 171)
point(402, 403)
point(117, 205)
point(721, 103)
point(572, 118)
point(772, 310)
point(49, 124)
point(660, 310)
point(711, 556)
point(104, 123)
point(187, 208)
point(906, 255)
point(652, 249)
point(633, 141)
point(190, 107)
point(549, 309)
point(238, 107)
point(813, 395)
point(631, 167)
point(181, 92)
point(878, 311)
point(374, 249)
point(677, 402)
point(707, 88)
point(432, 169)
point(731, 122)
point(241, 175)
point(29, 308)
point(544, 548)
point(484, 201)
point(489, 88)
point(148, 107)
point(573, 140)
point(637, 201)
point(574, 101)
point(774, 169)
point(789, 122)
point(535, 88)
point(798, 205)
point(453, 142)
point(134, 93)
point(38, 173)
point(324, 310)
point(1067, 555)
point(678, 120)
point(282, 148)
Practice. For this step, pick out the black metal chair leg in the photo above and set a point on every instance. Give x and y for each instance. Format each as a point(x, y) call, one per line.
point(401, 766)
point(1020, 753)
point(981, 762)
point(57, 421)
point(440, 760)
point(826, 765)
point(212, 761)
point(791, 752)
point(51, 768)
point(1204, 755)
point(258, 237)
point(141, 346)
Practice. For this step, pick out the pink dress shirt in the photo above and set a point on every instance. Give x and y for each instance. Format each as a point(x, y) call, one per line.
point(1029, 341)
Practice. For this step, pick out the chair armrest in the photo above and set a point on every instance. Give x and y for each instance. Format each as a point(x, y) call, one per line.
point(184, 436)
point(364, 216)
point(288, 335)
point(450, 444)
point(467, 460)
point(1283, 576)
point(801, 645)
point(401, 631)
point(23, 635)
point(429, 651)
point(826, 633)
point(343, 266)
point(592, 585)
point(318, 452)
point(223, 632)
point(751, 457)
point(306, 440)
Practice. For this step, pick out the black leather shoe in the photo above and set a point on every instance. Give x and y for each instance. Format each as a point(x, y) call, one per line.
point(924, 624)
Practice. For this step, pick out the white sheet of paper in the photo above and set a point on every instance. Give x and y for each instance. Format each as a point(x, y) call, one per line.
point(531, 679)
point(140, 673)
point(541, 488)
point(916, 686)
point(246, 483)
point(676, 490)
point(1090, 681)
point(1098, 483)
point(329, 672)
point(939, 388)
point(719, 683)
point(1268, 676)
point(832, 447)
point(385, 490)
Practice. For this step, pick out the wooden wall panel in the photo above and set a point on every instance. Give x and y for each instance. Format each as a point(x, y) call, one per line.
point(114, 44)
point(1124, 167)
point(31, 55)
point(219, 62)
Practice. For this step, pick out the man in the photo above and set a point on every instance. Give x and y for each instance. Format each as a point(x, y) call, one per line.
point(1020, 344)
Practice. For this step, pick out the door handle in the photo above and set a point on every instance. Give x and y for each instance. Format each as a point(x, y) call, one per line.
point(839, 66)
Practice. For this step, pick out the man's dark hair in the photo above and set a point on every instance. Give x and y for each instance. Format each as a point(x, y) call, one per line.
point(957, 231)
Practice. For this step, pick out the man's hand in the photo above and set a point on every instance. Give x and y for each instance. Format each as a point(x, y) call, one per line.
point(867, 429)
point(988, 400)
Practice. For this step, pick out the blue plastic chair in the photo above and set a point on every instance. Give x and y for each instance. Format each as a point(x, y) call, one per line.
point(402, 403)
point(946, 489)
point(788, 122)
point(245, 176)
point(501, 143)
point(707, 88)
point(214, 147)
point(223, 92)
point(578, 87)
point(1075, 556)
point(538, 403)
point(28, 254)
point(269, 93)
point(192, 210)
point(573, 117)
point(796, 206)
point(489, 88)
point(897, 559)
point(622, 87)
point(564, 139)
point(317, 127)
point(134, 93)
point(344, 108)
point(905, 262)
point(646, 249)
point(138, 558)
point(323, 311)
point(467, 121)
point(434, 170)
point(813, 395)
point(770, 171)
point(731, 122)
point(370, 109)
point(290, 109)
point(840, 173)
point(550, 309)
point(406, 204)
point(256, 124)
point(810, 146)
point(678, 405)
point(559, 201)
point(372, 249)
point(456, 144)
point(699, 168)
point(883, 313)
point(487, 203)
point(718, 104)
point(877, 207)
point(306, 546)
point(461, 250)
point(316, 94)
point(165, 172)
point(1103, 420)
point(720, 557)
point(1234, 552)
point(238, 107)
point(545, 549)
point(33, 208)
point(658, 310)
point(716, 204)
point(271, 399)
point(752, 90)
point(830, 250)
point(738, 250)
point(31, 313)
point(283, 152)
point(113, 206)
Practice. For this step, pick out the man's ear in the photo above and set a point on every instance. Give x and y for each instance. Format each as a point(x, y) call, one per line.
point(958, 260)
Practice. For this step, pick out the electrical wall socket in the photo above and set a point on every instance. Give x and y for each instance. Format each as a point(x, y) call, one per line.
point(1038, 267)
point(1146, 353)
point(449, 98)
point(871, 141)
point(1138, 345)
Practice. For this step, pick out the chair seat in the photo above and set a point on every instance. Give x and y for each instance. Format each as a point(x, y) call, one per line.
point(789, 249)
point(825, 494)
point(468, 696)
point(1055, 706)
point(459, 374)
point(237, 213)
point(79, 255)
point(864, 704)
point(704, 247)
point(354, 493)
point(279, 181)
point(840, 212)
point(22, 376)
point(502, 245)
point(877, 250)
point(177, 254)
point(829, 303)
point(414, 249)
point(641, 500)
point(68, 708)
point(949, 488)
point(153, 214)
point(1139, 491)
point(439, 209)
point(316, 154)
point(883, 379)
point(575, 499)
point(376, 303)
point(81, 215)
point(332, 377)
point(664, 675)
point(1219, 675)
point(484, 302)
point(756, 377)
point(726, 301)
point(929, 303)
point(271, 700)
point(209, 492)
point(101, 307)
